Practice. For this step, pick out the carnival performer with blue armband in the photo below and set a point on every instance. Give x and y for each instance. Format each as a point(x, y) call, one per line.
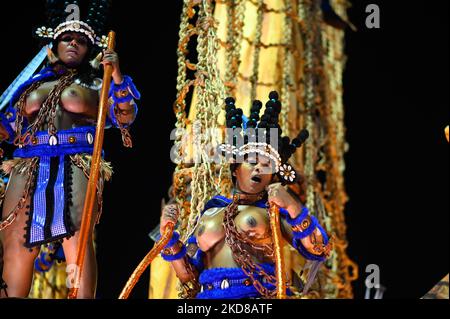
point(230, 254)
point(51, 120)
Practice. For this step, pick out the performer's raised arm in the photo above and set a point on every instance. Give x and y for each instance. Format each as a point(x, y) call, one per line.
point(123, 93)
point(299, 227)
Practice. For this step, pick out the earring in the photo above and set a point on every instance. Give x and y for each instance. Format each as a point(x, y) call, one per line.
point(51, 56)
point(95, 63)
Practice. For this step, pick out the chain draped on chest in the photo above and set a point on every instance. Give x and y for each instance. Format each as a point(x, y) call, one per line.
point(243, 249)
point(47, 112)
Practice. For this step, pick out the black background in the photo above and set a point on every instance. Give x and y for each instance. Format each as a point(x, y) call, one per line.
point(396, 100)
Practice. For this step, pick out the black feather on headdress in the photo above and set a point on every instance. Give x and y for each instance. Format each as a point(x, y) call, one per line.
point(97, 15)
point(92, 23)
point(55, 12)
point(250, 130)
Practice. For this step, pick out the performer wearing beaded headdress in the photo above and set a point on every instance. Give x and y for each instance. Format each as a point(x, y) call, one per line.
point(51, 119)
point(230, 253)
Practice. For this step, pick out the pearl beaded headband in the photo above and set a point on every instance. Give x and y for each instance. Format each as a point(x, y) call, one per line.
point(72, 26)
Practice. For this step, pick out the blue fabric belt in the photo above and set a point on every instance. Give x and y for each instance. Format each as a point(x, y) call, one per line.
point(67, 142)
point(231, 283)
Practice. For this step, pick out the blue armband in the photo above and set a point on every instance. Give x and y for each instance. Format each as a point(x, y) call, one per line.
point(297, 244)
point(297, 220)
point(310, 227)
point(173, 240)
point(177, 256)
point(126, 86)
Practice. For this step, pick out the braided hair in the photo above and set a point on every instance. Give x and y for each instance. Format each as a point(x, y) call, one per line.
point(269, 121)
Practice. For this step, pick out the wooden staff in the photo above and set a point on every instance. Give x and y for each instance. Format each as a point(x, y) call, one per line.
point(134, 278)
point(91, 191)
point(278, 250)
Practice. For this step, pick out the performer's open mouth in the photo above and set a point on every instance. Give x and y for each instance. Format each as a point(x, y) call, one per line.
point(256, 179)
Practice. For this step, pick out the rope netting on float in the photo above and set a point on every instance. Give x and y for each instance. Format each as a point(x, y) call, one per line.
point(245, 49)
